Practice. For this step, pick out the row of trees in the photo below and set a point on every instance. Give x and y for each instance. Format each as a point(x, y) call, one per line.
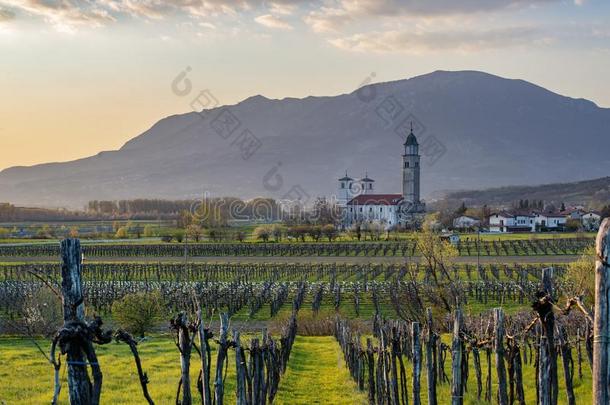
point(299, 232)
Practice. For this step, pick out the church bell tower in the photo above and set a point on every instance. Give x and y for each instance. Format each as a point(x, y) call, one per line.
point(410, 170)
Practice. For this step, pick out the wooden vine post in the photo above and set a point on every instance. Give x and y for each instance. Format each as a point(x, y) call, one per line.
point(431, 359)
point(457, 386)
point(499, 351)
point(79, 384)
point(601, 324)
point(417, 354)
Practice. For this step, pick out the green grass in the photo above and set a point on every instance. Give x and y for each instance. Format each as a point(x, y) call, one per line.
point(317, 374)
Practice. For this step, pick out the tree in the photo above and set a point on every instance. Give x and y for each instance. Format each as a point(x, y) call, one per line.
point(315, 232)
point(240, 236)
point(194, 232)
point(262, 232)
point(581, 275)
point(184, 219)
point(329, 231)
point(138, 313)
point(563, 207)
point(74, 232)
point(121, 233)
point(179, 235)
point(441, 287)
point(4, 233)
point(461, 210)
point(573, 225)
point(277, 231)
point(149, 231)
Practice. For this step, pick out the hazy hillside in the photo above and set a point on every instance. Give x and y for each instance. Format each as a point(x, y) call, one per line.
point(479, 131)
point(596, 192)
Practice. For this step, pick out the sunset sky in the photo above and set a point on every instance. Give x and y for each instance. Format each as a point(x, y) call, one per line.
point(78, 77)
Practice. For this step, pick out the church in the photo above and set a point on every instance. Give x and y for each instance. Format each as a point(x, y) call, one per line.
point(361, 205)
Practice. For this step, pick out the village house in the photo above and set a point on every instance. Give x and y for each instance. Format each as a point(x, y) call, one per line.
point(533, 221)
point(466, 222)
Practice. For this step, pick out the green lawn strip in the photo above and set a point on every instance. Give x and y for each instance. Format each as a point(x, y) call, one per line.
point(317, 375)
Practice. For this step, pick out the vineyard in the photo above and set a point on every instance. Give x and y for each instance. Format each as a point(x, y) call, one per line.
point(430, 331)
point(529, 247)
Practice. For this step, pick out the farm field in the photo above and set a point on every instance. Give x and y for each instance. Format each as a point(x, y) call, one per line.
point(316, 375)
point(537, 247)
point(259, 292)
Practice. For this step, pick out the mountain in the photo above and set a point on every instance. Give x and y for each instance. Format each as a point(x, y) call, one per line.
point(594, 193)
point(476, 131)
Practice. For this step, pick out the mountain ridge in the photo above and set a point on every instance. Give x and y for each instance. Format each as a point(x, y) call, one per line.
point(494, 131)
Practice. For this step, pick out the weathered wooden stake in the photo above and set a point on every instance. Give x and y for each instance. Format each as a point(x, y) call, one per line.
point(499, 351)
point(601, 324)
point(79, 384)
point(568, 364)
point(204, 347)
point(431, 359)
point(223, 346)
point(416, 347)
point(457, 388)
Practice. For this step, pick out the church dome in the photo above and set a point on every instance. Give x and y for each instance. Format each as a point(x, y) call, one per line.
point(411, 140)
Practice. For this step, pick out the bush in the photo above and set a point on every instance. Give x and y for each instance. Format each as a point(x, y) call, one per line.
point(263, 232)
point(139, 312)
point(42, 313)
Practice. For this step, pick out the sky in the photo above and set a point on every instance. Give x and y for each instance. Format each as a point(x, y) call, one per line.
point(80, 77)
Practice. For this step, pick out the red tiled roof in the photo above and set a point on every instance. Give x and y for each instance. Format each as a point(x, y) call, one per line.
point(376, 199)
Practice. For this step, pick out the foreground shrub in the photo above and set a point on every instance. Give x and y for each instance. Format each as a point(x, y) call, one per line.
point(138, 313)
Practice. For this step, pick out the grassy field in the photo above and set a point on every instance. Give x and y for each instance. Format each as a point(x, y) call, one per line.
point(316, 375)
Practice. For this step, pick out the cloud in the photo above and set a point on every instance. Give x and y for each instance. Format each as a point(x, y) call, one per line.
point(417, 41)
point(6, 15)
point(64, 14)
point(433, 7)
point(327, 19)
point(271, 21)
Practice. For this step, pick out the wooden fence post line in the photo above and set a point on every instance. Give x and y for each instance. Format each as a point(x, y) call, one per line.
point(601, 341)
point(79, 384)
point(457, 388)
point(499, 351)
point(416, 347)
point(431, 359)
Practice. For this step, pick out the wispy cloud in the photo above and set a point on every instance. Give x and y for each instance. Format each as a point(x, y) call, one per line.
point(434, 7)
point(6, 15)
point(64, 15)
point(327, 19)
point(417, 41)
point(271, 21)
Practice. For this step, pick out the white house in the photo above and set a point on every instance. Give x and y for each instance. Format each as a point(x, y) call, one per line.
point(550, 221)
point(508, 222)
point(465, 222)
point(591, 220)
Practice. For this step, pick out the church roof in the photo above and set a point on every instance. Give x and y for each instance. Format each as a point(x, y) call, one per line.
point(376, 199)
point(411, 139)
point(346, 178)
point(366, 179)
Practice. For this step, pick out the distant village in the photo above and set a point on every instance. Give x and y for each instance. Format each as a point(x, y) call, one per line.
point(362, 206)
